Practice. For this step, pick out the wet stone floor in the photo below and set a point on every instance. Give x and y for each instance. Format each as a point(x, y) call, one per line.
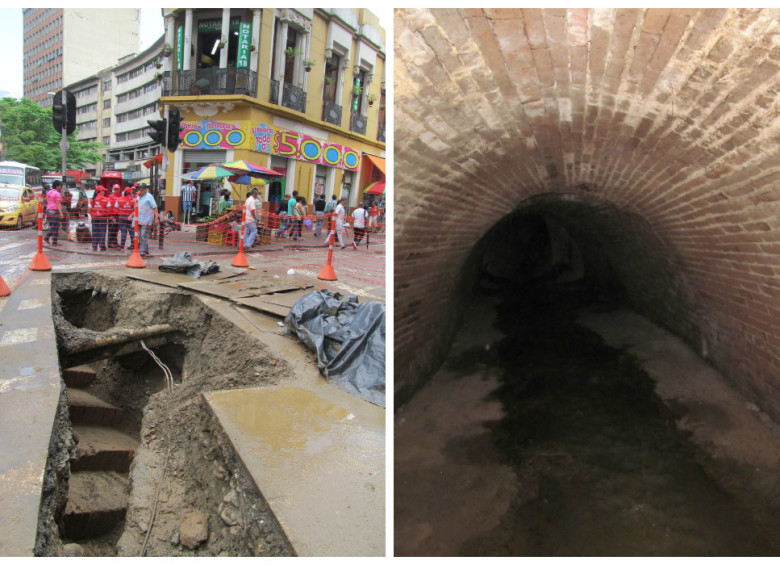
point(598, 465)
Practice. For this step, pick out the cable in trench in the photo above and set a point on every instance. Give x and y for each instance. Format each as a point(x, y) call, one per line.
point(169, 384)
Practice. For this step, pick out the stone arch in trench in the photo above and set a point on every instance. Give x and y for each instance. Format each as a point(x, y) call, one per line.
point(650, 134)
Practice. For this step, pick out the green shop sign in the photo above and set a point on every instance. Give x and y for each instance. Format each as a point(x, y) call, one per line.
point(244, 39)
point(215, 25)
point(179, 48)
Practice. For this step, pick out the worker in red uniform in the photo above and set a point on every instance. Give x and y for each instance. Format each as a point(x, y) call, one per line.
point(125, 205)
point(113, 221)
point(100, 214)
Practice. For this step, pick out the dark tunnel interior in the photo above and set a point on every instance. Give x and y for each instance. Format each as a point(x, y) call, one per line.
point(599, 465)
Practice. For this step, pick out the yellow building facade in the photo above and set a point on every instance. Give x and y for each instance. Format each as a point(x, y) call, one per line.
point(301, 92)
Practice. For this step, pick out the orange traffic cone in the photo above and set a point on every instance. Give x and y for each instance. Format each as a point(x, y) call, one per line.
point(4, 290)
point(240, 259)
point(40, 262)
point(327, 273)
point(135, 260)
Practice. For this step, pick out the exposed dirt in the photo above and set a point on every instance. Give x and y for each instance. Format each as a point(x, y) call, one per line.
point(182, 462)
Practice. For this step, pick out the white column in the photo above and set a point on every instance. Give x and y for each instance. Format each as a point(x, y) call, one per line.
point(330, 183)
point(256, 22)
point(223, 53)
point(306, 55)
point(290, 183)
point(280, 56)
point(178, 161)
point(281, 60)
point(170, 35)
point(187, 39)
point(340, 75)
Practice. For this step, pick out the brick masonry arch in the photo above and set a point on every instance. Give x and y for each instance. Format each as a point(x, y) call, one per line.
point(652, 131)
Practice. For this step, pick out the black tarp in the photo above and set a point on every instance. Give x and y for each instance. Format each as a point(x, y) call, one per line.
point(184, 263)
point(349, 339)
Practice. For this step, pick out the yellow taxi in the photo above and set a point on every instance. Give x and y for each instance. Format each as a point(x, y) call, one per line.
point(18, 206)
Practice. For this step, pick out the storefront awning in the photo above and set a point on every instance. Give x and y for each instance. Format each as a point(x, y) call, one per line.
point(375, 188)
point(378, 162)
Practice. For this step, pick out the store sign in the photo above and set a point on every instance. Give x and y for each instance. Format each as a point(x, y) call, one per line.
point(215, 25)
point(179, 48)
point(244, 39)
point(212, 134)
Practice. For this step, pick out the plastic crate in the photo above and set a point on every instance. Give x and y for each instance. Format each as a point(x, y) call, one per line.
point(217, 238)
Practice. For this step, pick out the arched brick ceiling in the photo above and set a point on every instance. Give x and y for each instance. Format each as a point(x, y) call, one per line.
point(666, 117)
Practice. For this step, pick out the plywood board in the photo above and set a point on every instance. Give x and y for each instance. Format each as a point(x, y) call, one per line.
point(287, 299)
point(171, 280)
point(261, 305)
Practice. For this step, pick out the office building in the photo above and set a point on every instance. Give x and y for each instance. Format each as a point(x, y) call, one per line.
point(65, 45)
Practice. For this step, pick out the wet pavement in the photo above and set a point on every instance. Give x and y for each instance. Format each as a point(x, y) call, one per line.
point(30, 388)
point(316, 452)
point(359, 271)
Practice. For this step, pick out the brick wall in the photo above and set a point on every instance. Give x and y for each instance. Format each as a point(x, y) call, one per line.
point(652, 132)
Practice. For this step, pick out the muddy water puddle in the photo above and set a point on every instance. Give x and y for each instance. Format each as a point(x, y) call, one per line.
point(600, 467)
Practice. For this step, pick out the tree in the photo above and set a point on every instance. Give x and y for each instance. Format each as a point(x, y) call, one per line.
point(29, 137)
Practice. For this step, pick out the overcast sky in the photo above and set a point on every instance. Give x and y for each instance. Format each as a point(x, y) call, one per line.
point(152, 27)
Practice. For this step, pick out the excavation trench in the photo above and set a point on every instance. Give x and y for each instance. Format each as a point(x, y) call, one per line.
point(151, 472)
point(536, 438)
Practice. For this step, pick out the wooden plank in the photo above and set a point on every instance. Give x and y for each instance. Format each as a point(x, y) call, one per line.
point(210, 288)
point(261, 305)
point(287, 299)
point(171, 280)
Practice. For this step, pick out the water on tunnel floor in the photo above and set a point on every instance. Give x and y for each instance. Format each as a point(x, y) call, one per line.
point(598, 467)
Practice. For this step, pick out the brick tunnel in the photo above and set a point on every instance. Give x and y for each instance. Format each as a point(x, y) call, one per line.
point(650, 135)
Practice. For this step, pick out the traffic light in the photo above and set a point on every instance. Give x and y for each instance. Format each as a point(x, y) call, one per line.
point(58, 113)
point(174, 128)
point(158, 135)
point(62, 118)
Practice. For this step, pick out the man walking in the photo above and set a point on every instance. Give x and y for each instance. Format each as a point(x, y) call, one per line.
point(187, 199)
point(341, 221)
point(319, 214)
point(251, 217)
point(359, 224)
point(147, 217)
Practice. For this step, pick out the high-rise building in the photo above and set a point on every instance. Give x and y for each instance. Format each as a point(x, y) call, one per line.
point(65, 45)
point(113, 106)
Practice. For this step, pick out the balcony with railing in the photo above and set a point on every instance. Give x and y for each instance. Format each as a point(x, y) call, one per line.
point(331, 113)
point(357, 123)
point(381, 135)
point(293, 97)
point(201, 82)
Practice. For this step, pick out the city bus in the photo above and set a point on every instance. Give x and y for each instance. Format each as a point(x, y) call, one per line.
point(20, 185)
